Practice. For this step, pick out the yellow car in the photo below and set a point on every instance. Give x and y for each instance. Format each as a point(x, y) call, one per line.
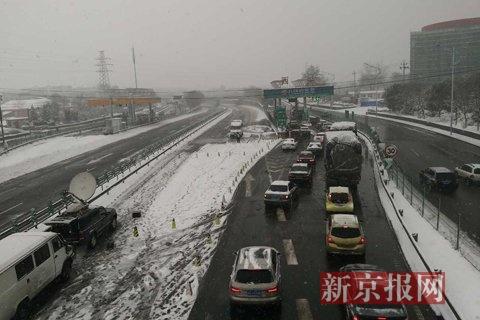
point(345, 235)
point(339, 199)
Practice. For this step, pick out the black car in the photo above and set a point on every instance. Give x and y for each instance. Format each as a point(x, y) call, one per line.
point(85, 225)
point(301, 174)
point(439, 178)
point(372, 311)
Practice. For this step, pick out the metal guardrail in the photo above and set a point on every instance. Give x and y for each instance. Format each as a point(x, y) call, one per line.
point(372, 138)
point(33, 217)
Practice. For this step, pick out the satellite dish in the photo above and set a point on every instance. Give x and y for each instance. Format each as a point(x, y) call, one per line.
point(83, 186)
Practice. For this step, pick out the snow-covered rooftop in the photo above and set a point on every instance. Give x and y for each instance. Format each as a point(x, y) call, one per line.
point(280, 183)
point(342, 136)
point(338, 190)
point(342, 125)
point(24, 104)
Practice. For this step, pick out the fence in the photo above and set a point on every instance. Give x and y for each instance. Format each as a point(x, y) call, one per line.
point(150, 153)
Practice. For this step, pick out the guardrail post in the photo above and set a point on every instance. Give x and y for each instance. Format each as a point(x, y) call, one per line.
point(438, 211)
point(423, 201)
point(457, 246)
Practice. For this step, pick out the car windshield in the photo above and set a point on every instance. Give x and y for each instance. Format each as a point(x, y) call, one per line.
point(300, 168)
point(446, 176)
point(339, 198)
point(278, 188)
point(345, 232)
point(254, 276)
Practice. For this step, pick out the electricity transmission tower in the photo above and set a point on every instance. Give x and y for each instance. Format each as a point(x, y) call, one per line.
point(103, 70)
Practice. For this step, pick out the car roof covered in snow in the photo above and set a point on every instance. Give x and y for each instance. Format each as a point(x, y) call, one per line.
point(300, 164)
point(473, 165)
point(18, 245)
point(338, 190)
point(306, 153)
point(280, 183)
point(441, 170)
point(255, 258)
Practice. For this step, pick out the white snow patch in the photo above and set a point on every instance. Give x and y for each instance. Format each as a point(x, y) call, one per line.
point(47, 152)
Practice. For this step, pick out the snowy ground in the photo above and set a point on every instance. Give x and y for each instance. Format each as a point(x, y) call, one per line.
point(155, 275)
point(47, 152)
point(462, 279)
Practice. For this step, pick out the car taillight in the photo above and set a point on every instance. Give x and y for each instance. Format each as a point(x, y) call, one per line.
point(311, 160)
point(330, 239)
point(285, 197)
point(234, 290)
point(381, 318)
point(330, 197)
point(362, 240)
point(355, 318)
point(349, 198)
point(272, 290)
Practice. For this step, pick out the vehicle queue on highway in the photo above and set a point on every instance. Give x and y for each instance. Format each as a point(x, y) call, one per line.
point(256, 277)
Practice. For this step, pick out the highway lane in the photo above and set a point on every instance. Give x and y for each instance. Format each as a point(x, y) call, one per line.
point(420, 148)
point(33, 190)
point(305, 227)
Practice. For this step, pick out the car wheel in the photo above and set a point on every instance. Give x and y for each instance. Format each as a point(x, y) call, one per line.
point(113, 224)
point(23, 310)
point(92, 242)
point(66, 270)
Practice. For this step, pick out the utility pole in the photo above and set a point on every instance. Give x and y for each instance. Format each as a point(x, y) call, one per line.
point(134, 67)
point(354, 84)
point(1, 120)
point(404, 66)
point(451, 96)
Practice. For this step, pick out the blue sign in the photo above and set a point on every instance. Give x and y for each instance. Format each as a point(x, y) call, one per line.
point(298, 92)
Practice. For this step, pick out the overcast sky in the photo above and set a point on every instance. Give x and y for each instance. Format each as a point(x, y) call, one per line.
point(207, 43)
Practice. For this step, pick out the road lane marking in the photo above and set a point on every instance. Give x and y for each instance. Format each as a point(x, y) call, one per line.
point(415, 153)
point(281, 215)
point(11, 208)
point(289, 252)
point(303, 310)
point(99, 159)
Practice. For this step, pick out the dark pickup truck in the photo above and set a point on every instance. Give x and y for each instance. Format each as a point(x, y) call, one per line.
point(85, 225)
point(301, 174)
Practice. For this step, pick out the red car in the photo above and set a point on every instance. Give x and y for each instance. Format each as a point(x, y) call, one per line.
point(307, 157)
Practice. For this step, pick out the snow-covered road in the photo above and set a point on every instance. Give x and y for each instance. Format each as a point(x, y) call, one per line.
point(156, 274)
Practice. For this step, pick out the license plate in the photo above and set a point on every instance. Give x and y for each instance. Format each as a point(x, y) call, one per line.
point(254, 293)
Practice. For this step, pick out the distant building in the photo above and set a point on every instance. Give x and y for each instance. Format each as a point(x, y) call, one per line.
point(17, 112)
point(369, 98)
point(431, 49)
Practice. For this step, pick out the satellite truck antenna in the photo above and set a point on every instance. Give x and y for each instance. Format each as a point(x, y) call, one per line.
point(82, 187)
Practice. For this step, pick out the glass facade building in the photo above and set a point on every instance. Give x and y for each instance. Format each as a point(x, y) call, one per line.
point(431, 49)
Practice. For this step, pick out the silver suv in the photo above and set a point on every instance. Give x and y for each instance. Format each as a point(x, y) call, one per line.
point(255, 278)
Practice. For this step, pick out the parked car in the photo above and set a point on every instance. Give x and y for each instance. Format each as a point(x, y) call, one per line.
point(372, 311)
point(255, 277)
point(85, 225)
point(470, 173)
point(307, 157)
point(339, 199)
point(30, 261)
point(289, 144)
point(316, 148)
point(301, 174)
point(280, 194)
point(345, 235)
point(439, 178)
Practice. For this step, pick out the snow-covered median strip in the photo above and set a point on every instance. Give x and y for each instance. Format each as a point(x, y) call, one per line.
point(156, 275)
point(47, 152)
point(462, 279)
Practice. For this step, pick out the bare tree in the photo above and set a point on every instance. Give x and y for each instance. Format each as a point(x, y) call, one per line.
point(313, 76)
point(372, 75)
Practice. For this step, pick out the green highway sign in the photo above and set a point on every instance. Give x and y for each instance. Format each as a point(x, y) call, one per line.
point(298, 92)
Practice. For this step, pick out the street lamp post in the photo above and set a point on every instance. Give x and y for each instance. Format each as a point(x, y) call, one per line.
point(1, 121)
point(451, 94)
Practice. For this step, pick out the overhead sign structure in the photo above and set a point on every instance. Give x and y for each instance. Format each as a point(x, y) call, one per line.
point(137, 101)
point(391, 151)
point(298, 92)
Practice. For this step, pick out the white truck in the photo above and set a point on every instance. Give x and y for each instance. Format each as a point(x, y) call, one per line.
point(30, 261)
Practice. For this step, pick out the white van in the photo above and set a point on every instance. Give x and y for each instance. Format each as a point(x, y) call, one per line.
point(29, 262)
